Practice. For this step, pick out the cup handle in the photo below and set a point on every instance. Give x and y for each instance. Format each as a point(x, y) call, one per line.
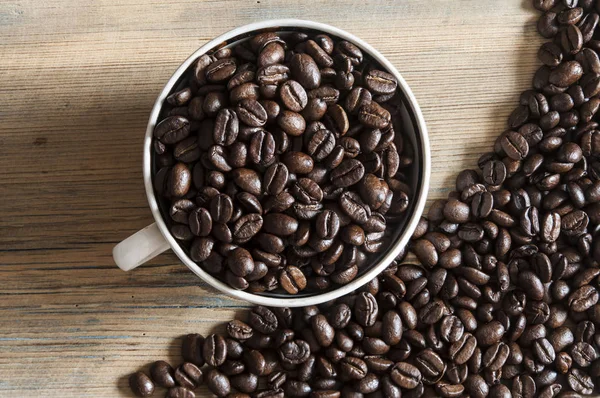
point(139, 248)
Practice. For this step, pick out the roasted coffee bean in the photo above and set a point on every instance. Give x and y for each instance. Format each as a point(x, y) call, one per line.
point(348, 173)
point(305, 70)
point(200, 222)
point(583, 298)
point(547, 25)
point(357, 97)
point(307, 191)
point(275, 178)
point(261, 149)
point(292, 279)
point(220, 70)
point(580, 381)
point(406, 375)
point(373, 115)
point(571, 39)
point(566, 73)
point(141, 384)
point(321, 144)
point(327, 224)
point(550, 54)
point(214, 350)
point(162, 374)
point(180, 392)
point(251, 112)
point(379, 82)
point(239, 330)
point(218, 383)
point(293, 95)
point(461, 350)
point(583, 354)
point(294, 352)
point(226, 127)
point(476, 386)
point(298, 162)
point(514, 145)
point(490, 333)
point(280, 224)
point(189, 376)
point(172, 129)
point(494, 172)
point(201, 249)
point(431, 365)
point(263, 320)
point(221, 208)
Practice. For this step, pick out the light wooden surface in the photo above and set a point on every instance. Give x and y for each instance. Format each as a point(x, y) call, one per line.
point(77, 81)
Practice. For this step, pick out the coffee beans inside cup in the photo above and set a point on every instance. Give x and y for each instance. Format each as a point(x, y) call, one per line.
point(281, 164)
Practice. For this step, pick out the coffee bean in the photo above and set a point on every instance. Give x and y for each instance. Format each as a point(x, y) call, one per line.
point(327, 224)
point(261, 149)
point(580, 381)
point(532, 285)
point(280, 224)
point(353, 207)
point(583, 298)
point(366, 309)
point(449, 390)
point(172, 129)
point(583, 354)
point(550, 54)
point(353, 368)
point(515, 145)
point(566, 74)
point(294, 352)
point(200, 222)
point(293, 95)
point(214, 350)
point(221, 208)
point(307, 191)
point(141, 385)
point(571, 39)
point(494, 172)
point(271, 53)
point(263, 320)
point(218, 383)
point(226, 127)
point(298, 162)
point(547, 25)
point(292, 279)
point(348, 173)
point(380, 82)
point(406, 375)
point(275, 178)
point(189, 376)
point(374, 115)
point(357, 98)
point(304, 69)
point(251, 112)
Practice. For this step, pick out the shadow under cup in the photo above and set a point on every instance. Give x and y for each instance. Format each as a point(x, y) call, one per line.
point(409, 128)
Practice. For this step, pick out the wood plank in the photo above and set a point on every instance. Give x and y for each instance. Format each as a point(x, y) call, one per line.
point(77, 82)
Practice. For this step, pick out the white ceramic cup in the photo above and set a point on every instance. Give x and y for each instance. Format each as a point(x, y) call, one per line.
point(156, 238)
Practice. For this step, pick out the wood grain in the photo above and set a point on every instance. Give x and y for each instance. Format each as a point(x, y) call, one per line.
point(77, 82)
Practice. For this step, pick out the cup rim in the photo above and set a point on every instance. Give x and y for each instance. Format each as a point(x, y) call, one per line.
point(420, 196)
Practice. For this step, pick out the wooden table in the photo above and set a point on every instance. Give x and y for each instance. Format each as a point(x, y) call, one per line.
point(77, 82)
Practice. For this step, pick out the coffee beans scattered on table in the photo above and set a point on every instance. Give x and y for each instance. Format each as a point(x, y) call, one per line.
point(504, 299)
point(281, 165)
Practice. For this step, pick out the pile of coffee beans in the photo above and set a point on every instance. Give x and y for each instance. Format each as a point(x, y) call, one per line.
point(280, 165)
point(504, 299)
